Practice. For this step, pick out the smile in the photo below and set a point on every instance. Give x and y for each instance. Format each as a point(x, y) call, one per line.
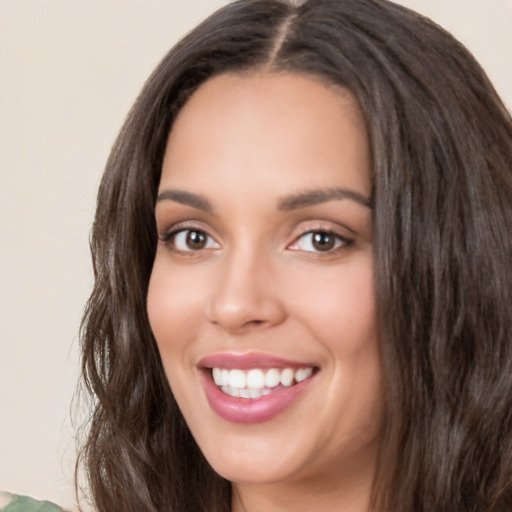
point(257, 382)
point(254, 387)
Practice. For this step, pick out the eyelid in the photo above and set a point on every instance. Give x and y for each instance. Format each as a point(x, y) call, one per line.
point(346, 242)
point(209, 244)
point(166, 236)
point(173, 228)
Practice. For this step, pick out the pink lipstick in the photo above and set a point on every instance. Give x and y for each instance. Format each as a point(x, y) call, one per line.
point(255, 387)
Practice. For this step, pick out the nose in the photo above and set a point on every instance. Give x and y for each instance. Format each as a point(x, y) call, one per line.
point(246, 295)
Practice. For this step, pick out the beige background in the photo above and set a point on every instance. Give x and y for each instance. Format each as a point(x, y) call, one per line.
point(69, 71)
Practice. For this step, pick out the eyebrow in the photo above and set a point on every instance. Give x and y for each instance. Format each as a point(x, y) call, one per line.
point(286, 203)
point(318, 196)
point(187, 198)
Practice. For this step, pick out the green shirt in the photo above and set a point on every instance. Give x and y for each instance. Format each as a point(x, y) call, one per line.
point(14, 503)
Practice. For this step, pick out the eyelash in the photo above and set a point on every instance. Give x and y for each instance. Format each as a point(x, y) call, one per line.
point(341, 242)
point(170, 238)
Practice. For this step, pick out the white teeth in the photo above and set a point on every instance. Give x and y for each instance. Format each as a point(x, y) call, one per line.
point(230, 391)
point(217, 376)
point(303, 374)
point(237, 379)
point(255, 393)
point(257, 382)
point(272, 378)
point(287, 377)
point(255, 379)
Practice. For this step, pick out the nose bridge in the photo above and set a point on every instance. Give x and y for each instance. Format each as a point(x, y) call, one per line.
point(244, 296)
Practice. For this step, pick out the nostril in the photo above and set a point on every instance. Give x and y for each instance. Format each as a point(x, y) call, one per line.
point(254, 324)
point(237, 308)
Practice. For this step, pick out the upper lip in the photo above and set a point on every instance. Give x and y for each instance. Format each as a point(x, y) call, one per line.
point(230, 360)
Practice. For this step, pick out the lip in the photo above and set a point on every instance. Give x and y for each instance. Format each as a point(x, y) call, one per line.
point(232, 361)
point(251, 410)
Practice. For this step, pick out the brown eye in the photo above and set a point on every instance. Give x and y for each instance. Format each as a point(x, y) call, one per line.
point(323, 241)
point(320, 241)
point(196, 240)
point(189, 240)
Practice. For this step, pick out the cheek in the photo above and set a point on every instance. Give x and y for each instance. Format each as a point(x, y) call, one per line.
point(339, 311)
point(345, 323)
point(339, 305)
point(173, 305)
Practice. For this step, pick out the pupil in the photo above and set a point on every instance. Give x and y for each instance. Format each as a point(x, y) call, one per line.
point(323, 241)
point(196, 239)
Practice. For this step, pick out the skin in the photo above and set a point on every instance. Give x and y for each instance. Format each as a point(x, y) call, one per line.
point(244, 144)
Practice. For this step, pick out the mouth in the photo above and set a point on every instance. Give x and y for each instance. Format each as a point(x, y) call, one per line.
point(254, 388)
point(258, 382)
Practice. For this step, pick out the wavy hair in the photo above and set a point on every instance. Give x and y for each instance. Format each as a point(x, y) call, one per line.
point(441, 144)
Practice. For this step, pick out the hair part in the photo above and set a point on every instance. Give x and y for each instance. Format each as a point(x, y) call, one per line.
point(441, 145)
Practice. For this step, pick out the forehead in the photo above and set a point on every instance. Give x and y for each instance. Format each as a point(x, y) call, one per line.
point(282, 130)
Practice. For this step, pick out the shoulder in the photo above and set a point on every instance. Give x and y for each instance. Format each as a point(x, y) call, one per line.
point(15, 503)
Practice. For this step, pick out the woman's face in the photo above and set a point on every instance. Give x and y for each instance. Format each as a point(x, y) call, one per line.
point(263, 280)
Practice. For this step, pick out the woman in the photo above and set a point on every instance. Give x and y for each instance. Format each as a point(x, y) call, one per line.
point(303, 295)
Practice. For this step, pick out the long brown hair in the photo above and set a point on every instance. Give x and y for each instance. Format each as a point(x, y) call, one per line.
point(442, 160)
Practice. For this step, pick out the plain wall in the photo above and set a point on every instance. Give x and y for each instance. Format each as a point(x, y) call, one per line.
point(69, 71)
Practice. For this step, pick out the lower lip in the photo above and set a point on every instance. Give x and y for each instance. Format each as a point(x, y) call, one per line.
point(251, 410)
